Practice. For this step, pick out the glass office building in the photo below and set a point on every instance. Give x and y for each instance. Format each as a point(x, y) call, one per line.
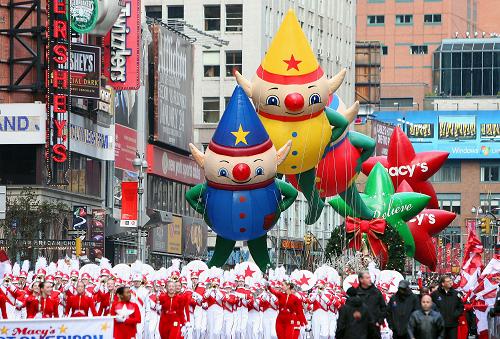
point(467, 67)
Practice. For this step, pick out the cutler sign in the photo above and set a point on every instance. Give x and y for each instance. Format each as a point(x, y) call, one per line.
point(59, 94)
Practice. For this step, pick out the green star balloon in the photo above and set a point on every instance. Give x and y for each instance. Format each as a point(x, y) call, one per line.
point(394, 208)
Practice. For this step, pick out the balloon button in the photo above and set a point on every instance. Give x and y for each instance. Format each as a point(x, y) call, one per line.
point(295, 153)
point(243, 230)
point(294, 167)
point(242, 216)
point(294, 134)
point(243, 199)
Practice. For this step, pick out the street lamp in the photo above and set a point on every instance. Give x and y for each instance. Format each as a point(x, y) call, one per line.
point(141, 165)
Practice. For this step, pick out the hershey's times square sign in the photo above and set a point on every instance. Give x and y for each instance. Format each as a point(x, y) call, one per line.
point(58, 93)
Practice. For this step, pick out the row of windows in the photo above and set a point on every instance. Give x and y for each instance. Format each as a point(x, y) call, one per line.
point(413, 49)
point(403, 19)
point(167, 195)
point(212, 16)
point(211, 63)
point(489, 202)
point(451, 172)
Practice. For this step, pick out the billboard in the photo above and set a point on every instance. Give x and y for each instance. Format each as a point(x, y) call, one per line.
point(90, 139)
point(121, 48)
point(173, 91)
point(22, 124)
point(194, 237)
point(464, 134)
point(167, 238)
point(381, 132)
point(174, 166)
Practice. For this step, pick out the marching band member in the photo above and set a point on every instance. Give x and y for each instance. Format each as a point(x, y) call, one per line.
point(269, 308)
point(246, 298)
point(80, 304)
point(173, 306)
point(32, 301)
point(47, 304)
point(215, 313)
point(139, 295)
point(254, 326)
point(199, 307)
point(3, 303)
point(320, 301)
point(127, 313)
point(291, 314)
point(229, 305)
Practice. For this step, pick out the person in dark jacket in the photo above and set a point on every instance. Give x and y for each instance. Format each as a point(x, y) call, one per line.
point(449, 305)
point(354, 320)
point(401, 305)
point(373, 299)
point(426, 323)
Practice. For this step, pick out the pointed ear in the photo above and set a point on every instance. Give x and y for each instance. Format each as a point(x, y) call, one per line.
point(283, 152)
point(351, 113)
point(244, 83)
point(198, 155)
point(335, 82)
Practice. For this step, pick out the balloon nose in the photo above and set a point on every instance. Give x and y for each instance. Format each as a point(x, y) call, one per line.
point(241, 172)
point(294, 101)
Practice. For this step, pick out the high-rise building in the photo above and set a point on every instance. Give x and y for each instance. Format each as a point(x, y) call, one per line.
point(410, 31)
point(248, 27)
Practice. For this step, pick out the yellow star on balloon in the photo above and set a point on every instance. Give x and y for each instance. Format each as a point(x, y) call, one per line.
point(240, 136)
point(4, 330)
point(104, 327)
point(63, 329)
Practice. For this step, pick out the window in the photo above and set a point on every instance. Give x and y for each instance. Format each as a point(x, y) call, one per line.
point(404, 19)
point(153, 12)
point(233, 62)
point(84, 175)
point(418, 49)
point(384, 50)
point(449, 202)
point(375, 20)
point(212, 18)
point(449, 172)
point(432, 18)
point(234, 18)
point(490, 202)
point(490, 172)
point(211, 110)
point(211, 64)
point(175, 12)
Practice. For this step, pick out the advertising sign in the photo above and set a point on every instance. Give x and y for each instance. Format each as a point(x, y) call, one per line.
point(464, 134)
point(174, 236)
point(194, 237)
point(49, 244)
point(85, 66)
point(58, 93)
point(83, 15)
point(121, 48)
point(22, 124)
point(80, 218)
point(90, 139)
point(292, 244)
point(173, 166)
point(97, 225)
point(173, 93)
point(99, 327)
point(420, 131)
point(381, 132)
point(129, 204)
point(125, 147)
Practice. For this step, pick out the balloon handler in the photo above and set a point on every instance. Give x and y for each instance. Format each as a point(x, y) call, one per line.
point(241, 199)
point(290, 92)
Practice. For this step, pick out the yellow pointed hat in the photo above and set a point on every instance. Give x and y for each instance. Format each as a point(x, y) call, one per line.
point(290, 59)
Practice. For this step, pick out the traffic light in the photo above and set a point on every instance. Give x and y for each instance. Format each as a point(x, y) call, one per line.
point(485, 225)
point(78, 246)
point(440, 242)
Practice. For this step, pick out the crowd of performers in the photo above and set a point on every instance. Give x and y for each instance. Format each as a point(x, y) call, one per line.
point(182, 306)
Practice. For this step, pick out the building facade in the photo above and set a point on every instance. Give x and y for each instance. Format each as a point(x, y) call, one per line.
point(410, 31)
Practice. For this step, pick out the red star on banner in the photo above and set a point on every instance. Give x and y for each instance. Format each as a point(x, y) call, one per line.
point(304, 280)
point(403, 163)
point(292, 63)
point(249, 272)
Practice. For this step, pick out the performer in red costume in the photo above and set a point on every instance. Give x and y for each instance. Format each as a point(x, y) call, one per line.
point(291, 313)
point(106, 298)
point(3, 302)
point(31, 301)
point(127, 315)
point(80, 304)
point(173, 308)
point(47, 305)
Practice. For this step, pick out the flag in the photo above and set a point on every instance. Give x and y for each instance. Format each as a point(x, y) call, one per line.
point(472, 264)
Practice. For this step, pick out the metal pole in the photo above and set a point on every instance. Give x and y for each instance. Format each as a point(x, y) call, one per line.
point(139, 217)
point(278, 244)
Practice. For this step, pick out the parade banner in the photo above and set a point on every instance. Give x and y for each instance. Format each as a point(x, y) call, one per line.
point(65, 328)
point(129, 204)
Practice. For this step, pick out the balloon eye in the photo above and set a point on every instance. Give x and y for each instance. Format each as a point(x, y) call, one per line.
point(259, 171)
point(272, 100)
point(222, 172)
point(315, 98)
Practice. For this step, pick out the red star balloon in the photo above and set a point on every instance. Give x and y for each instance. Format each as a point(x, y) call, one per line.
point(426, 224)
point(403, 163)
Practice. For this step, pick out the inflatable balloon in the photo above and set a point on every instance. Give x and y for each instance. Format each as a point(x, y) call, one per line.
point(290, 92)
point(423, 227)
point(242, 199)
point(403, 163)
point(393, 208)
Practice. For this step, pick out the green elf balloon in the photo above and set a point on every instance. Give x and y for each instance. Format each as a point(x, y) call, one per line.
point(242, 199)
point(394, 208)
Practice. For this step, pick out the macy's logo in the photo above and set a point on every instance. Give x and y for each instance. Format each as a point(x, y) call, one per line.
point(407, 169)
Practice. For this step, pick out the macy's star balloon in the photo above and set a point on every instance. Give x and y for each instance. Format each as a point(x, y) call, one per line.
point(291, 91)
point(242, 199)
point(423, 227)
point(403, 163)
point(393, 207)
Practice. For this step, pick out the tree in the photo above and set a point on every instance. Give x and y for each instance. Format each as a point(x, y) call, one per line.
point(28, 218)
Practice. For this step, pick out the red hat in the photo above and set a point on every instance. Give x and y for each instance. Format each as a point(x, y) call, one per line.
point(240, 277)
point(49, 279)
point(227, 284)
point(41, 271)
point(58, 274)
point(23, 274)
point(86, 276)
point(195, 274)
point(183, 280)
point(105, 272)
point(9, 276)
point(137, 277)
point(74, 273)
point(65, 277)
point(118, 281)
point(149, 284)
point(215, 281)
